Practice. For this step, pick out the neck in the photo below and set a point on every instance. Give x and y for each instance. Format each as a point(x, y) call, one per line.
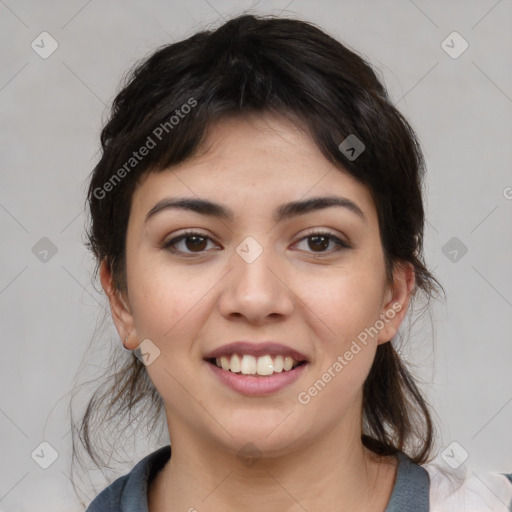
point(325, 475)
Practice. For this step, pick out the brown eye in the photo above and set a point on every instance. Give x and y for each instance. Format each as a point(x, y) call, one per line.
point(188, 243)
point(194, 243)
point(319, 243)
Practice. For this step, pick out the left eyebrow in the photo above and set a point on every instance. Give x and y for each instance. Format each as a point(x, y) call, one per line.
point(283, 212)
point(295, 208)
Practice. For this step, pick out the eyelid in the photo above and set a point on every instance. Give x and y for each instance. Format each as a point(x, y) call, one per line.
point(326, 232)
point(339, 242)
point(167, 244)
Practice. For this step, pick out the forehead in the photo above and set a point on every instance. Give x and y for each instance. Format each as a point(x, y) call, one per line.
point(252, 163)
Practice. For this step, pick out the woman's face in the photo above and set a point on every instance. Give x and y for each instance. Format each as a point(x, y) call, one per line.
point(260, 274)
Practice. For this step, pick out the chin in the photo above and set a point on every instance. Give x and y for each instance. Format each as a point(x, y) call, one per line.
point(266, 435)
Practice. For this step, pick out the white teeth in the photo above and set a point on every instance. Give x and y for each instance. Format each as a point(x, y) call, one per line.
point(251, 365)
point(265, 366)
point(278, 364)
point(248, 366)
point(234, 364)
point(288, 363)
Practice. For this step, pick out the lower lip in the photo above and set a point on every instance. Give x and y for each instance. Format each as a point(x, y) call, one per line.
point(257, 386)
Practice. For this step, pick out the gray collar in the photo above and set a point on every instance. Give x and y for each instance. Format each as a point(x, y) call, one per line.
point(129, 492)
point(412, 486)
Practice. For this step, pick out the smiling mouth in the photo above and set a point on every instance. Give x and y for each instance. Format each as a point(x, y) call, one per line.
point(262, 366)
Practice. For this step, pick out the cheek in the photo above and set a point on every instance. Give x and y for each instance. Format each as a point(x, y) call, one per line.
point(165, 299)
point(346, 301)
point(345, 349)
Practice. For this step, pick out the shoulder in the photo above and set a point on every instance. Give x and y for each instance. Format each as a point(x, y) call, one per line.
point(464, 488)
point(411, 488)
point(110, 498)
point(128, 493)
point(435, 487)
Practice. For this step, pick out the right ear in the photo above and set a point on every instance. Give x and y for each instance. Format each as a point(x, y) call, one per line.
point(119, 308)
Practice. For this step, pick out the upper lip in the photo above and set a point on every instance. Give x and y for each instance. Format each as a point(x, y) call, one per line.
point(256, 350)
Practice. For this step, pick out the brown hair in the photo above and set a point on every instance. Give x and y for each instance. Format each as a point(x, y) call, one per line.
point(277, 65)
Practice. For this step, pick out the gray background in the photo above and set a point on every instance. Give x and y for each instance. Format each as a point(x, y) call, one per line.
point(51, 115)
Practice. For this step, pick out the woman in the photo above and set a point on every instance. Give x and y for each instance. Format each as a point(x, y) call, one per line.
point(257, 221)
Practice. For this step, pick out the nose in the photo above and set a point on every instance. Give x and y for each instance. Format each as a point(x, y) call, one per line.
point(256, 291)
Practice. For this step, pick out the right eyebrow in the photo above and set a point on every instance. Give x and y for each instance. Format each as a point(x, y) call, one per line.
point(201, 206)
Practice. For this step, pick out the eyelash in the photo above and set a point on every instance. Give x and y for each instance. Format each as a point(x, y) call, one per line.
point(340, 244)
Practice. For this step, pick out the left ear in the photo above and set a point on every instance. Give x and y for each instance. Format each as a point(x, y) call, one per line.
point(396, 301)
